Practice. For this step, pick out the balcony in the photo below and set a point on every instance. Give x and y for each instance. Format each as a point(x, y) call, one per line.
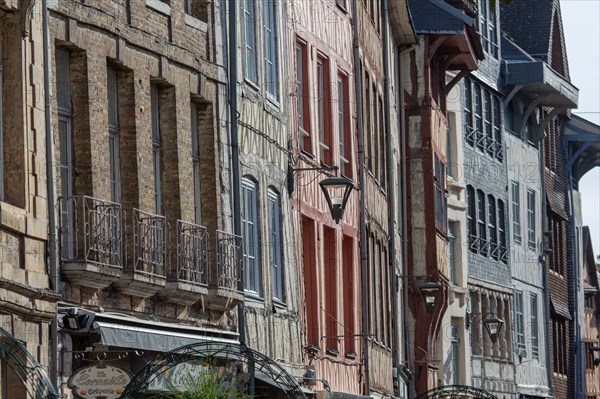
point(224, 273)
point(91, 241)
point(144, 274)
point(468, 6)
point(187, 280)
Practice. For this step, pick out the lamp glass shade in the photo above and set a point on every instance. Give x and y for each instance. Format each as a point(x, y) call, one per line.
point(337, 192)
point(493, 325)
point(429, 292)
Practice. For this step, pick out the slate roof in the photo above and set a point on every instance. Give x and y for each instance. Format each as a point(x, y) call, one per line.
point(529, 23)
point(437, 16)
point(512, 51)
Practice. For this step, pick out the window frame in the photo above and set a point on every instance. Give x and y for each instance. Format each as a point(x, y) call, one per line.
point(196, 162)
point(157, 147)
point(519, 322)
point(303, 99)
point(481, 223)
point(531, 219)
point(275, 247)
point(114, 135)
point(250, 56)
point(492, 223)
point(472, 219)
point(516, 211)
point(324, 110)
point(270, 50)
point(251, 222)
point(534, 316)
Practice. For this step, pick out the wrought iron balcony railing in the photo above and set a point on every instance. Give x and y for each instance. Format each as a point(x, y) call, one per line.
point(229, 256)
point(91, 231)
point(192, 254)
point(149, 243)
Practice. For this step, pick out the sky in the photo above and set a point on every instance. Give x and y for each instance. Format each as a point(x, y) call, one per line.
point(581, 24)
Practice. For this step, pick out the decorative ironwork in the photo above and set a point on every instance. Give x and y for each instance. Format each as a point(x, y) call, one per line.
point(91, 231)
point(229, 256)
point(149, 243)
point(28, 370)
point(488, 145)
point(239, 362)
point(192, 253)
point(456, 392)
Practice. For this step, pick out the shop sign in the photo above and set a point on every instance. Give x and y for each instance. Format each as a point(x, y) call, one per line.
point(99, 382)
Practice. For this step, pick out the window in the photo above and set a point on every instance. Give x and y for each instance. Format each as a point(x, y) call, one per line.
point(482, 120)
point(156, 149)
point(535, 343)
point(469, 134)
point(488, 27)
point(502, 231)
point(497, 131)
point(519, 324)
point(483, 24)
point(275, 245)
point(368, 129)
point(452, 253)
point(471, 219)
point(348, 288)
point(454, 355)
point(251, 237)
point(303, 100)
point(196, 165)
point(309, 256)
point(382, 146)
point(345, 136)
point(531, 240)
point(65, 130)
point(341, 3)
point(249, 24)
point(494, 33)
point(271, 59)
point(441, 218)
point(516, 212)
point(481, 227)
point(450, 145)
point(487, 122)
point(478, 112)
point(113, 136)
point(330, 265)
point(492, 232)
point(324, 103)
point(197, 9)
point(560, 347)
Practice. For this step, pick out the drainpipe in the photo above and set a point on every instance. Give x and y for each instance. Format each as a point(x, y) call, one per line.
point(404, 215)
point(363, 225)
point(391, 192)
point(50, 188)
point(545, 262)
point(573, 275)
point(235, 154)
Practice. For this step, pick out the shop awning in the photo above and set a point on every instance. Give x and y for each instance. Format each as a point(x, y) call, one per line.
point(124, 332)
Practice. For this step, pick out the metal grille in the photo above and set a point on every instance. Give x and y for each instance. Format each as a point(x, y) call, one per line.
point(149, 243)
point(192, 253)
point(218, 359)
point(91, 231)
point(229, 256)
point(31, 373)
point(456, 392)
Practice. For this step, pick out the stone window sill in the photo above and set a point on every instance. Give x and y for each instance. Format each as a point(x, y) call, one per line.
point(159, 6)
point(196, 23)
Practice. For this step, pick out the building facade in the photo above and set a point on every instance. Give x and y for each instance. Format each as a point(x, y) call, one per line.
point(425, 90)
point(28, 296)
point(138, 96)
